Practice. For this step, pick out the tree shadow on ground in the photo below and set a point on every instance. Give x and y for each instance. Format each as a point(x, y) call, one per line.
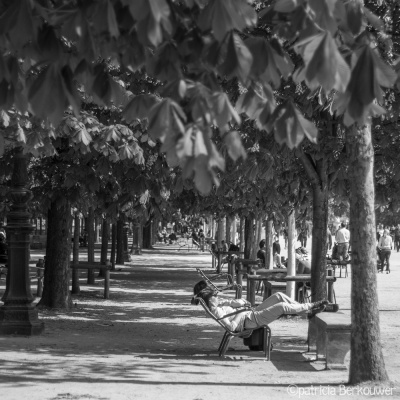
point(147, 329)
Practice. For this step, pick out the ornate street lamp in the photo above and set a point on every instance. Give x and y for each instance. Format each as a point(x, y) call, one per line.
point(18, 315)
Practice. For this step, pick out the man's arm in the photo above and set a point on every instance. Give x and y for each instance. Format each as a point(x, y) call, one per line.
point(235, 303)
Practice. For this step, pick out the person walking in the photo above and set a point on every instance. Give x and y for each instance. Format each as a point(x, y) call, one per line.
point(343, 241)
point(385, 246)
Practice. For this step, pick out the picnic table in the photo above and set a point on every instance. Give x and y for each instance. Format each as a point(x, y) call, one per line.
point(280, 275)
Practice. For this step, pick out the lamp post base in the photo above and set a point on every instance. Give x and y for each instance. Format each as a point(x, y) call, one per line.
point(16, 320)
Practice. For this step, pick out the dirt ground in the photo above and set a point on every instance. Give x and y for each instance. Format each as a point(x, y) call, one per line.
point(148, 342)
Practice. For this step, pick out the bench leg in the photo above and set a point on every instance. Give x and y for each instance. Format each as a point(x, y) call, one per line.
point(312, 335)
point(337, 346)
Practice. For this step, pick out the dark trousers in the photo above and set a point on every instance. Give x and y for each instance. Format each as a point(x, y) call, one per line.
point(385, 256)
point(397, 243)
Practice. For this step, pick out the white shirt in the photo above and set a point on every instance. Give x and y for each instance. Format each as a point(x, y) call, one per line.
point(386, 242)
point(342, 236)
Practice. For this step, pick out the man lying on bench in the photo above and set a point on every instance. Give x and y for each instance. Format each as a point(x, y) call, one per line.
point(268, 311)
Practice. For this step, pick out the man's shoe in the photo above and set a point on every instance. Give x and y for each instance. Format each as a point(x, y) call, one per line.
point(319, 303)
point(316, 310)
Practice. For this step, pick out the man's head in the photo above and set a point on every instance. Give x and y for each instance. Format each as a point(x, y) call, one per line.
point(262, 244)
point(386, 232)
point(209, 295)
point(343, 224)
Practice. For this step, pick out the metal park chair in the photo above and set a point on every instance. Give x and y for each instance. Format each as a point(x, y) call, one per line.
point(228, 335)
point(230, 285)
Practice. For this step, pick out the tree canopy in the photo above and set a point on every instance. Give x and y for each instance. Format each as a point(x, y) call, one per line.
point(54, 53)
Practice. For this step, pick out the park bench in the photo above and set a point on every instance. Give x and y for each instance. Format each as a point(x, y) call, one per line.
point(85, 265)
point(329, 337)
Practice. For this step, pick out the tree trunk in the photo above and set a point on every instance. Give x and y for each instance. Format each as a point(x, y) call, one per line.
point(291, 263)
point(233, 229)
point(113, 245)
point(147, 236)
point(241, 234)
point(319, 245)
point(269, 259)
point(90, 249)
point(120, 242)
point(228, 223)
point(248, 236)
point(75, 255)
point(56, 273)
point(366, 363)
point(105, 237)
point(219, 236)
point(317, 171)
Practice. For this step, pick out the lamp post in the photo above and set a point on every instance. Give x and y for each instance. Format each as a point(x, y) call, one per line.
point(18, 315)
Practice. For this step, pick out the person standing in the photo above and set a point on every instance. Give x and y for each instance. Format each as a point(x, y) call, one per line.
point(276, 251)
point(343, 241)
point(385, 246)
point(397, 238)
point(261, 252)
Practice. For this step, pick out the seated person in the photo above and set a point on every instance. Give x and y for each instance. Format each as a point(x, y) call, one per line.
point(268, 311)
point(302, 266)
point(224, 246)
point(173, 237)
point(261, 252)
point(195, 237)
point(233, 247)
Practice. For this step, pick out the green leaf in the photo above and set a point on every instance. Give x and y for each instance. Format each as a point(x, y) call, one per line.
point(324, 65)
point(234, 145)
point(139, 107)
point(46, 95)
point(238, 59)
point(362, 87)
point(354, 16)
point(4, 118)
point(112, 20)
point(291, 127)
point(223, 16)
point(324, 14)
point(20, 134)
point(111, 133)
point(269, 63)
point(70, 90)
point(153, 18)
point(202, 175)
point(16, 21)
point(373, 19)
point(166, 118)
point(285, 6)
point(223, 110)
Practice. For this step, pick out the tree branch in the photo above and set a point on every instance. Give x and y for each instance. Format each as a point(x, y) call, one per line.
point(309, 166)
